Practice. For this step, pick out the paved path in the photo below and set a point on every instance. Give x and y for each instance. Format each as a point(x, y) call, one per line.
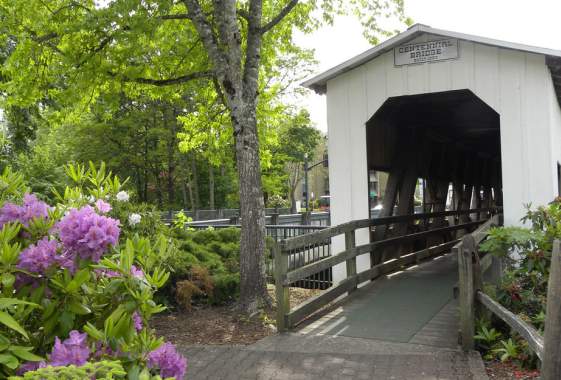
point(413, 306)
point(378, 333)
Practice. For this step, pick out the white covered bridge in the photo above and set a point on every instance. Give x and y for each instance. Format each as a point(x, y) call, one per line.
point(461, 112)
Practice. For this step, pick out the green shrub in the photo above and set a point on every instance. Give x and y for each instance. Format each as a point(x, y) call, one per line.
point(226, 288)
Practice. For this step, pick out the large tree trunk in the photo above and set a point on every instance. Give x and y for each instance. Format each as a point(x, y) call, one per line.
point(253, 293)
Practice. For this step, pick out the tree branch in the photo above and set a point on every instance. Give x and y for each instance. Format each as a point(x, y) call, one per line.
point(175, 17)
point(279, 17)
point(172, 81)
point(43, 38)
point(206, 33)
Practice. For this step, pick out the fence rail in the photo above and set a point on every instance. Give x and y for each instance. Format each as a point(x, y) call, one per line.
point(304, 218)
point(423, 225)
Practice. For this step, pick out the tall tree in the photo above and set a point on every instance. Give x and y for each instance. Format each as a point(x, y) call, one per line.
point(130, 44)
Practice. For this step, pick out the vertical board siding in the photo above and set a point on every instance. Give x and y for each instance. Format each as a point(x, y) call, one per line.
point(338, 125)
point(514, 155)
point(535, 123)
point(359, 171)
point(486, 74)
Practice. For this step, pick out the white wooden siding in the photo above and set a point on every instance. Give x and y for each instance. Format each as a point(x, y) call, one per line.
point(515, 84)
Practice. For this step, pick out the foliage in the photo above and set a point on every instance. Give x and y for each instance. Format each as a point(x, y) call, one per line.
point(487, 337)
point(526, 251)
point(81, 54)
point(205, 266)
point(103, 370)
point(73, 291)
point(277, 201)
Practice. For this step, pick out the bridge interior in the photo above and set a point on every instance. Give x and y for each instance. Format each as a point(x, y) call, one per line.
point(445, 138)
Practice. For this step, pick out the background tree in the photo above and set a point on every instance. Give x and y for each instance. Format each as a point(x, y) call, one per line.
point(141, 47)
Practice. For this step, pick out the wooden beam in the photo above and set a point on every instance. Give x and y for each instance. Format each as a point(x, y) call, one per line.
point(529, 333)
point(466, 292)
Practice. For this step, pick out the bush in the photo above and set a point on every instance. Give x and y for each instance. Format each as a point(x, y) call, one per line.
point(74, 291)
point(226, 288)
point(217, 251)
point(523, 287)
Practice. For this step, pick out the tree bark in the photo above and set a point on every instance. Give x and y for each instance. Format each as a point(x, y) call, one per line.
point(293, 201)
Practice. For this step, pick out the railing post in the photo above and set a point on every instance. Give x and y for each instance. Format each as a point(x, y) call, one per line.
point(306, 218)
point(466, 292)
point(275, 219)
point(282, 292)
point(350, 244)
point(551, 364)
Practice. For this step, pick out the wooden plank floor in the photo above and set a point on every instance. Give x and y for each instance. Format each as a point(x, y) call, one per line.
point(414, 306)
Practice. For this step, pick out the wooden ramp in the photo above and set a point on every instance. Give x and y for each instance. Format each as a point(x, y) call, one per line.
point(414, 306)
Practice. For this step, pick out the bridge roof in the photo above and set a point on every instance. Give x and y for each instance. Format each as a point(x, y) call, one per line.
point(319, 82)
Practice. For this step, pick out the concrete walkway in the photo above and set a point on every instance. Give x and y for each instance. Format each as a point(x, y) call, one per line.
point(402, 327)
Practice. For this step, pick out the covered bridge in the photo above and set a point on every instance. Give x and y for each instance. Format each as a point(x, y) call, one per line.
point(474, 114)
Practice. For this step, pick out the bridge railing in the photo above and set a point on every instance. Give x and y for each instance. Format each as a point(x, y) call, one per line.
point(393, 235)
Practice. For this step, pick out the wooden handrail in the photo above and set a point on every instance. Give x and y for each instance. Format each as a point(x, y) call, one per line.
point(285, 249)
point(328, 262)
point(532, 336)
point(319, 236)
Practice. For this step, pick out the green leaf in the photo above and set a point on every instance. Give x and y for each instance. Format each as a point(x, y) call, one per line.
point(77, 308)
point(5, 302)
point(79, 278)
point(7, 320)
point(23, 353)
point(8, 280)
point(9, 361)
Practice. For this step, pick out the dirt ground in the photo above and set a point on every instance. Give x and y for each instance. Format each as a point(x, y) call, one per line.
point(508, 371)
point(221, 325)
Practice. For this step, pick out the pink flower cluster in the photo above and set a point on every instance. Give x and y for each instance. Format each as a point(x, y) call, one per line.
point(85, 233)
point(73, 350)
point(38, 258)
point(168, 360)
point(31, 208)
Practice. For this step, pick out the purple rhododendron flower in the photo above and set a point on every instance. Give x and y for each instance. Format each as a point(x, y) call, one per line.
point(38, 258)
point(168, 360)
point(30, 366)
point(73, 350)
point(102, 206)
point(137, 272)
point(87, 234)
point(137, 319)
point(31, 208)
point(107, 273)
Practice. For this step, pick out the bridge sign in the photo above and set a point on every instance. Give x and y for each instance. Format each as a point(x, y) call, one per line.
point(431, 51)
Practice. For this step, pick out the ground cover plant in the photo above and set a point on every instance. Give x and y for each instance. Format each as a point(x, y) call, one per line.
point(526, 253)
point(77, 284)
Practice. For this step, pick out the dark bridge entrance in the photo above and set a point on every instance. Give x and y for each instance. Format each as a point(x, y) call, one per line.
point(448, 139)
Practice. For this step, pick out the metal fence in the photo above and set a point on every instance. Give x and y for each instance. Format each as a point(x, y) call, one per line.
point(321, 280)
point(318, 219)
point(226, 213)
